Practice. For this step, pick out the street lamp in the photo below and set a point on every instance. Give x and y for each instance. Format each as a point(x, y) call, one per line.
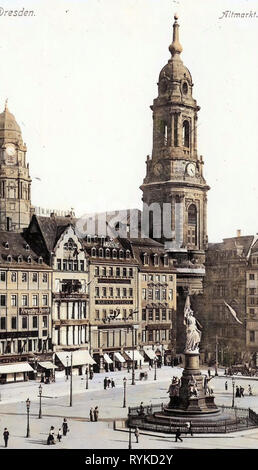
point(130, 438)
point(233, 393)
point(124, 380)
point(67, 359)
point(134, 328)
point(87, 377)
point(28, 417)
point(40, 393)
point(71, 381)
point(155, 368)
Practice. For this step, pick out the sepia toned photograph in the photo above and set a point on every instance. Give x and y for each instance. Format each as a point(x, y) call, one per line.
point(128, 232)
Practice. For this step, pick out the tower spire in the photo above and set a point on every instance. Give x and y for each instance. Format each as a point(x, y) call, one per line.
point(175, 47)
point(6, 103)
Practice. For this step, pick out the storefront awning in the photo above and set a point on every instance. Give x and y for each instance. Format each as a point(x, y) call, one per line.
point(134, 355)
point(47, 365)
point(119, 357)
point(80, 358)
point(150, 353)
point(16, 367)
point(107, 359)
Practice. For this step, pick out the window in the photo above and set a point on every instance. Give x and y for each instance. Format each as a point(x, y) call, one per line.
point(144, 295)
point(111, 292)
point(150, 314)
point(186, 134)
point(251, 277)
point(96, 271)
point(13, 277)
point(164, 133)
point(35, 300)
point(29, 259)
point(104, 271)
point(44, 321)
point(2, 300)
point(157, 277)
point(170, 294)
point(164, 316)
point(150, 294)
point(24, 277)
point(127, 254)
point(13, 300)
point(44, 300)
point(93, 252)
point(82, 265)
point(166, 260)
point(130, 292)
point(145, 259)
point(124, 272)
point(24, 322)
point(157, 316)
point(156, 260)
point(164, 294)
point(144, 314)
point(104, 292)
point(114, 254)
point(192, 225)
point(121, 254)
point(45, 277)
point(14, 323)
point(251, 311)
point(64, 265)
point(34, 322)
point(118, 292)
point(144, 277)
point(97, 314)
point(24, 300)
point(34, 277)
point(9, 258)
point(130, 272)
point(97, 291)
point(101, 252)
point(40, 260)
point(3, 323)
point(252, 291)
point(19, 259)
point(124, 292)
point(252, 336)
point(118, 272)
point(111, 272)
point(59, 264)
point(157, 294)
point(150, 277)
point(164, 278)
point(2, 276)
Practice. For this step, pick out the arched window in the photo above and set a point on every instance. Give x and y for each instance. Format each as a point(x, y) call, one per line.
point(93, 252)
point(40, 260)
point(27, 247)
point(114, 254)
point(9, 258)
point(6, 245)
point(186, 134)
point(127, 254)
point(88, 239)
point(20, 259)
point(165, 260)
point(121, 254)
point(145, 258)
point(107, 253)
point(29, 259)
point(192, 225)
point(101, 252)
point(156, 260)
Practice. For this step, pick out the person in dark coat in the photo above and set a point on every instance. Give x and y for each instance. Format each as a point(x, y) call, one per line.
point(226, 385)
point(237, 391)
point(137, 433)
point(242, 391)
point(105, 383)
point(65, 427)
point(178, 434)
point(91, 414)
point(6, 436)
point(51, 436)
point(96, 413)
point(112, 383)
point(59, 435)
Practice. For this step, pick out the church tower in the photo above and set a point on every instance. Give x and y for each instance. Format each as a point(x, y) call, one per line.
point(15, 181)
point(175, 171)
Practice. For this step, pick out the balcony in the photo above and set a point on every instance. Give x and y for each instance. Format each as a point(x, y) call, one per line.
point(71, 289)
point(70, 322)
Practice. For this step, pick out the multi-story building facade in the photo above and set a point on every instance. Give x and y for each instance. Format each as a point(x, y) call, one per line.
point(25, 300)
point(252, 304)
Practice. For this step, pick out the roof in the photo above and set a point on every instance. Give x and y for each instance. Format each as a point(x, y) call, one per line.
point(15, 244)
point(15, 367)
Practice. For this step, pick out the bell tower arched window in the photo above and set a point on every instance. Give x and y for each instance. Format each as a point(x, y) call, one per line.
point(186, 134)
point(192, 225)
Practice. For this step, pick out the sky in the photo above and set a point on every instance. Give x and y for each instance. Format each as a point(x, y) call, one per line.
point(80, 77)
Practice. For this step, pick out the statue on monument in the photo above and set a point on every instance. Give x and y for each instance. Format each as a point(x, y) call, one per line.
point(193, 335)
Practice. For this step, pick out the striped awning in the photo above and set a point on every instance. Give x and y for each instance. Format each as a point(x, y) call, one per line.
point(47, 365)
point(119, 357)
point(107, 359)
point(134, 355)
point(79, 358)
point(16, 367)
point(150, 353)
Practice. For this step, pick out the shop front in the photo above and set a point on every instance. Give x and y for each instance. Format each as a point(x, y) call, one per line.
point(16, 372)
point(80, 361)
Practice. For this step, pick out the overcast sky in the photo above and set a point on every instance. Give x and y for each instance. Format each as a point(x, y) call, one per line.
point(80, 77)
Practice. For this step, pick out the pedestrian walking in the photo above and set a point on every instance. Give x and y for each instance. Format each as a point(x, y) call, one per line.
point(59, 435)
point(51, 436)
point(178, 434)
point(112, 383)
point(105, 383)
point(91, 414)
point(250, 390)
point(65, 427)
point(108, 382)
point(96, 413)
point(238, 392)
point(137, 433)
point(189, 429)
point(242, 391)
point(209, 372)
point(6, 436)
point(226, 385)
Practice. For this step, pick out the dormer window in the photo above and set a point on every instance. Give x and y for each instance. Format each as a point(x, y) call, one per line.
point(127, 254)
point(27, 247)
point(156, 260)
point(165, 260)
point(93, 252)
point(121, 254)
point(88, 239)
point(107, 253)
point(9, 258)
point(20, 259)
point(6, 245)
point(145, 258)
point(101, 252)
point(29, 259)
point(114, 254)
point(40, 260)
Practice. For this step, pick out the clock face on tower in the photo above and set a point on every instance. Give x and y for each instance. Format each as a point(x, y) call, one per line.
point(10, 155)
point(190, 169)
point(157, 170)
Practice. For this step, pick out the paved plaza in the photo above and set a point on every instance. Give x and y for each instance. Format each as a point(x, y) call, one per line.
point(84, 434)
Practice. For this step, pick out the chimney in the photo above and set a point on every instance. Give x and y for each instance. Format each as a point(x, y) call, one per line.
point(238, 233)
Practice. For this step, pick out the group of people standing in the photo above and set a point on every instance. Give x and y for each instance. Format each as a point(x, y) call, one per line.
point(108, 383)
point(61, 432)
point(240, 390)
point(94, 414)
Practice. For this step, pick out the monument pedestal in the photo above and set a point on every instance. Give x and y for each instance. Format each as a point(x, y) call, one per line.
point(191, 399)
